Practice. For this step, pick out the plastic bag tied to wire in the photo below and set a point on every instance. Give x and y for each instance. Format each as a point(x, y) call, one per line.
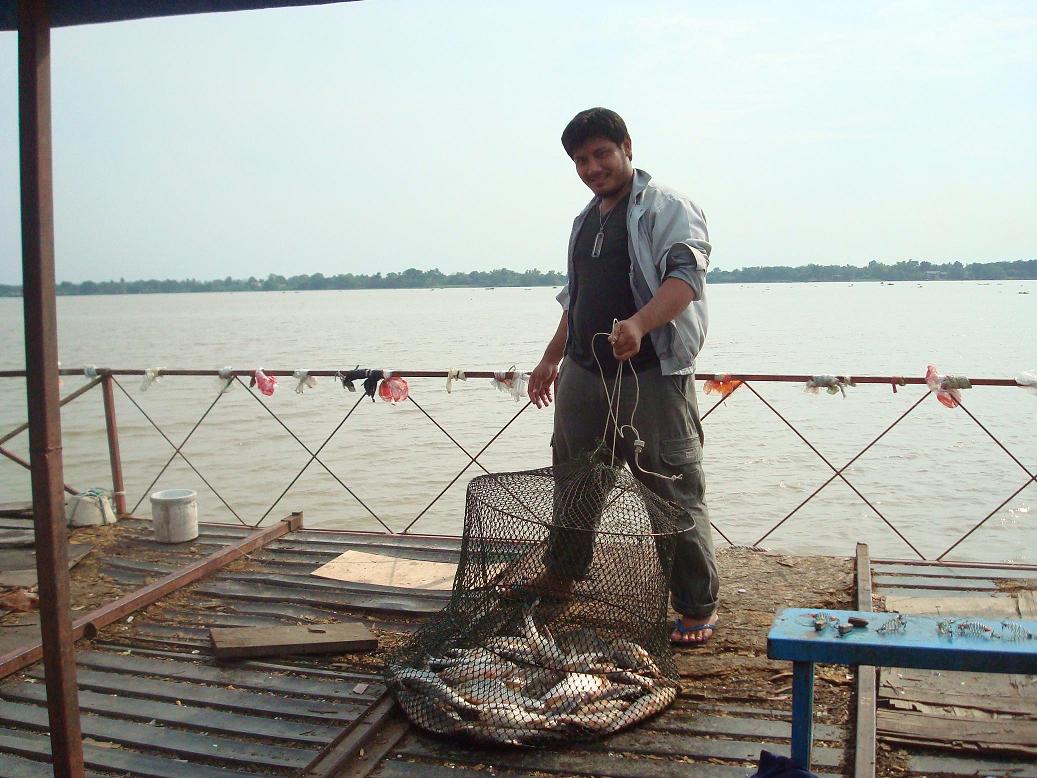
point(267, 384)
point(394, 389)
point(511, 383)
point(946, 387)
point(1028, 380)
point(454, 374)
point(151, 376)
point(303, 380)
point(721, 384)
point(225, 378)
point(833, 384)
point(556, 629)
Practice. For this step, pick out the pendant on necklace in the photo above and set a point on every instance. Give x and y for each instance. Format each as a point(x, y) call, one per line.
point(598, 240)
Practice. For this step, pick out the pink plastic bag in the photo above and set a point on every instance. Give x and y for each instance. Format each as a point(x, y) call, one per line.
point(266, 383)
point(393, 389)
point(949, 397)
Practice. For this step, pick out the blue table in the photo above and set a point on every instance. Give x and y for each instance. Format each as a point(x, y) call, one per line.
point(926, 642)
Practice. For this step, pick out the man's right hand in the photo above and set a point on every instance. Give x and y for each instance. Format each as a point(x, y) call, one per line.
point(541, 383)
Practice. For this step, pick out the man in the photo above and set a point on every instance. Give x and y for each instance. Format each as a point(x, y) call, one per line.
point(637, 255)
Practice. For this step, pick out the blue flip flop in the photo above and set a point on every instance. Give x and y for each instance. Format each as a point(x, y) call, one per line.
point(679, 627)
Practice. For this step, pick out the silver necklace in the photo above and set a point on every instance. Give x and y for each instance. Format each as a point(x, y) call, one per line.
point(600, 237)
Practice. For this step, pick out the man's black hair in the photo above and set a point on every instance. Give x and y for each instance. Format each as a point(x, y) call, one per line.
point(594, 123)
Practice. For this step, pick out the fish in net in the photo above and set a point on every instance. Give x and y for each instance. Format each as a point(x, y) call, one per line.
point(556, 628)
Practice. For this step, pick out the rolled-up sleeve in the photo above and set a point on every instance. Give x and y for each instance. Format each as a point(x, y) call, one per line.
point(681, 222)
point(563, 297)
point(682, 263)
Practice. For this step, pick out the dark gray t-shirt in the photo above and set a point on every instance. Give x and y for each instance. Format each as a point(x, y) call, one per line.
point(600, 292)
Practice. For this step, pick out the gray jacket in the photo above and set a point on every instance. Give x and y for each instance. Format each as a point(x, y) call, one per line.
point(667, 237)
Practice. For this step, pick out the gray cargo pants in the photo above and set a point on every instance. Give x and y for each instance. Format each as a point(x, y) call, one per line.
point(667, 419)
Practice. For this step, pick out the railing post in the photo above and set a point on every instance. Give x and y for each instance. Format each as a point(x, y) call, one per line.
point(118, 487)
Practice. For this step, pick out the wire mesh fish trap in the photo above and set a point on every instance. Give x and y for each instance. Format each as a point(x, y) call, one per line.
point(556, 629)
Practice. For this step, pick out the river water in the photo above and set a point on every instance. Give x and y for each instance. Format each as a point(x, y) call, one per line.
point(933, 477)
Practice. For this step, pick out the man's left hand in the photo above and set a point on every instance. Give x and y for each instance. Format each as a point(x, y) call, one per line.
point(626, 339)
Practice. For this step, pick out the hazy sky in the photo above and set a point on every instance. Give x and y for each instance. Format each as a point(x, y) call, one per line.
point(384, 134)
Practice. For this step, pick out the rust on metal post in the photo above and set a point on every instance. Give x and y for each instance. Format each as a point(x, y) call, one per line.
point(864, 745)
point(41, 384)
point(118, 487)
point(90, 624)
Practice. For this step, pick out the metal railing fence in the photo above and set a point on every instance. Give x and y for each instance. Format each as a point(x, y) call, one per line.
point(734, 387)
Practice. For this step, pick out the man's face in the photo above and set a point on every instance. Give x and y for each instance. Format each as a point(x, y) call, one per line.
point(604, 166)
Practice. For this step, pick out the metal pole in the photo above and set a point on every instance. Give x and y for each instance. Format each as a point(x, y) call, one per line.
point(113, 445)
point(28, 466)
point(41, 367)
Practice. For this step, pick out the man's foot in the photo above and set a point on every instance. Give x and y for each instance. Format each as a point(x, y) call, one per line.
point(688, 631)
point(547, 585)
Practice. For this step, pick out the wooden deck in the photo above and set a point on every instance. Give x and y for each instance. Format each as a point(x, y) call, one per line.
point(155, 702)
point(953, 723)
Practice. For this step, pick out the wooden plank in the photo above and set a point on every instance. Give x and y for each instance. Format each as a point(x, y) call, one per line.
point(395, 768)
point(214, 697)
point(178, 617)
point(167, 739)
point(300, 666)
point(943, 571)
point(340, 755)
point(695, 723)
point(326, 688)
point(18, 566)
point(12, 766)
point(934, 583)
point(946, 765)
point(184, 716)
point(338, 599)
point(338, 638)
point(16, 510)
point(1007, 693)
point(288, 610)
point(601, 758)
point(997, 736)
point(328, 584)
point(296, 547)
point(865, 680)
point(119, 760)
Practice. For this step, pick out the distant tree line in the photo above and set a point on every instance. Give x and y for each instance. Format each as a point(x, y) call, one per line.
point(909, 270)
point(413, 278)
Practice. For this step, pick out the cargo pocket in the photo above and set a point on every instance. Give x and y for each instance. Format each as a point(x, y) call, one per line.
point(680, 452)
point(683, 456)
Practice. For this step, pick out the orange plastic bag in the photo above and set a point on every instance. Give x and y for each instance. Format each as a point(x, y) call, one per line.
point(722, 385)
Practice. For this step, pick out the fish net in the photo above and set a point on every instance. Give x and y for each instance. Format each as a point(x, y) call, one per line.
point(556, 629)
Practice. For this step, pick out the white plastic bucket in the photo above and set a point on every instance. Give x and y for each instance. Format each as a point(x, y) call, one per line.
point(174, 515)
